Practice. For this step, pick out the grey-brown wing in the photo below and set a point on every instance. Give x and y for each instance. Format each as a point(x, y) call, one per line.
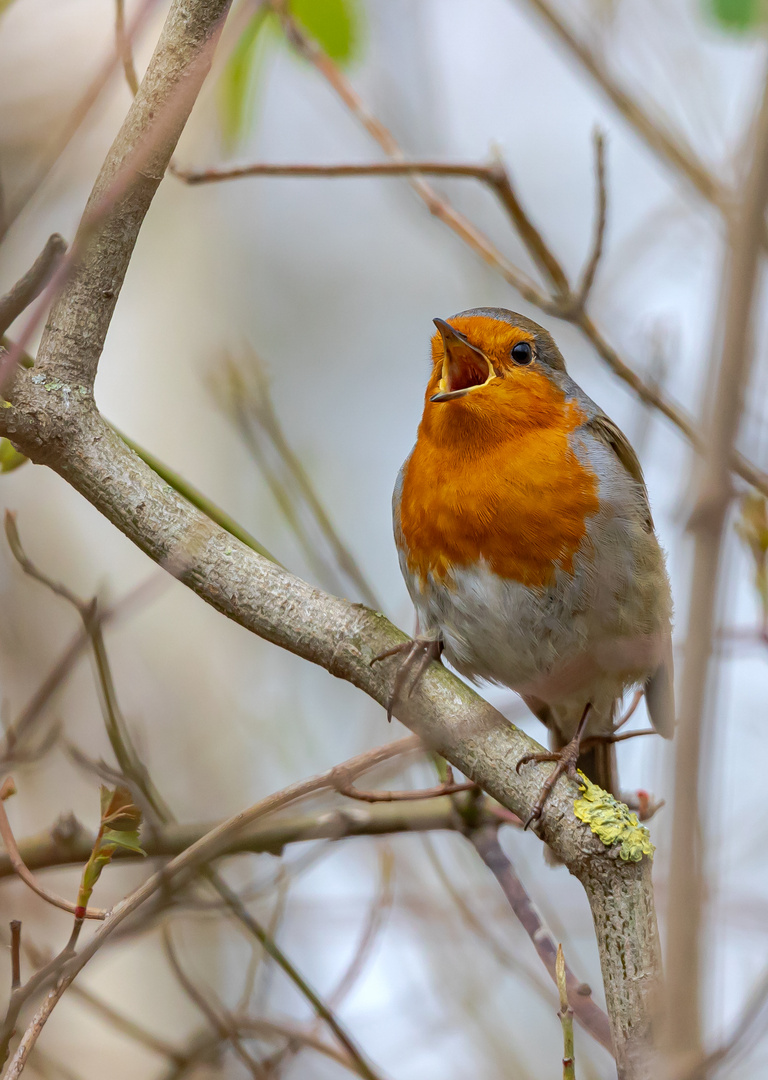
point(659, 688)
point(612, 436)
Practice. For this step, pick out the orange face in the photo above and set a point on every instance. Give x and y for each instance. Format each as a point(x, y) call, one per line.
point(493, 477)
point(486, 376)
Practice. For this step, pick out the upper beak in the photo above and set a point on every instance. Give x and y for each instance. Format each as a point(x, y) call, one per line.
point(464, 365)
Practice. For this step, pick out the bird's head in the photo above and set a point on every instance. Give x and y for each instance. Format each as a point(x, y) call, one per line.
point(492, 369)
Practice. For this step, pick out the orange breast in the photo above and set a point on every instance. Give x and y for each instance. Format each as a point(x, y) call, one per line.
point(513, 495)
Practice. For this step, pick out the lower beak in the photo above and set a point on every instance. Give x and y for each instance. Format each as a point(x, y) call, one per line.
point(465, 367)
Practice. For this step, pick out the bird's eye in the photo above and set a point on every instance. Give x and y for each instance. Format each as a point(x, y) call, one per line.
point(522, 353)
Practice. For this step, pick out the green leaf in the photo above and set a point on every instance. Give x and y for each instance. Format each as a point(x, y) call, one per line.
point(334, 24)
point(738, 14)
point(10, 458)
point(237, 85)
point(124, 839)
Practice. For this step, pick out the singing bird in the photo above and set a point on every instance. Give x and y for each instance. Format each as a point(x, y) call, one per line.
point(526, 541)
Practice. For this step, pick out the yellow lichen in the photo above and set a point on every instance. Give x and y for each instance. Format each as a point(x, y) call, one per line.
point(612, 822)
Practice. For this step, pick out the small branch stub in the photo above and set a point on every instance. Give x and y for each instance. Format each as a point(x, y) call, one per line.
point(566, 1018)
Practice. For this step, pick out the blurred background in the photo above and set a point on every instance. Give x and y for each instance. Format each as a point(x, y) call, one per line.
point(268, 317)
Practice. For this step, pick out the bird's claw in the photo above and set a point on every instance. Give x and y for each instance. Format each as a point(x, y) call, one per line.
point(565, 765)
point(419, 654)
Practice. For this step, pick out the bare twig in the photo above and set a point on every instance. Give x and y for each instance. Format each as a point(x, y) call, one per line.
point(124, 50)
point(707, 523)
point(26, 720)
point(30, 1036)
point(588, 276)
point(15, 954)
point(47, 850)
point(654, 129)
point(323, 1011)
point(220, 1021)
point(28, 877)
point(566, 1017)
point(351, 792)
point(564, 303)
point(245, 396)
point(66, 132)
point(589, 1015)
point(124, 1023)
point(376, 168)
point(66, 965)
point(29, 287)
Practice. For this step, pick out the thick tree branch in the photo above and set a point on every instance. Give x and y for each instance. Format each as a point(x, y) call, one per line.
point(344, 638)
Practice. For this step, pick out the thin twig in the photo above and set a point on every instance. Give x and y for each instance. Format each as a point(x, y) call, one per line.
point(376, 168)
point(30, 1036)
point(123, 45)
point(248, 402)
point(31, 881)
point(15, 954)
point(588, 276)
point(29, 287)
point(654, 130)
point(351, 792)
point(270, 946)
point(47, 851)
point(27, 718)
point(437, 206)
point(221, 1022)
point(66, 132)
point(589, 1015)
point(566, 1017)
point(563, 304)
point(66, 966)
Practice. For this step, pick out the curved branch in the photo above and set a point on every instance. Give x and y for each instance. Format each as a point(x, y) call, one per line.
point(343, 638)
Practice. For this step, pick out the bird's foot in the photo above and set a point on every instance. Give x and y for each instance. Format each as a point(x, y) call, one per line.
point(565, 765)
point(417, 655)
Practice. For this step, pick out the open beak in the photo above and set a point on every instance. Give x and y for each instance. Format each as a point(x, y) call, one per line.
point(464, 365)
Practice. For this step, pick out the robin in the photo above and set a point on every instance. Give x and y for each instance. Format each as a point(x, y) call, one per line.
point(526, 541)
